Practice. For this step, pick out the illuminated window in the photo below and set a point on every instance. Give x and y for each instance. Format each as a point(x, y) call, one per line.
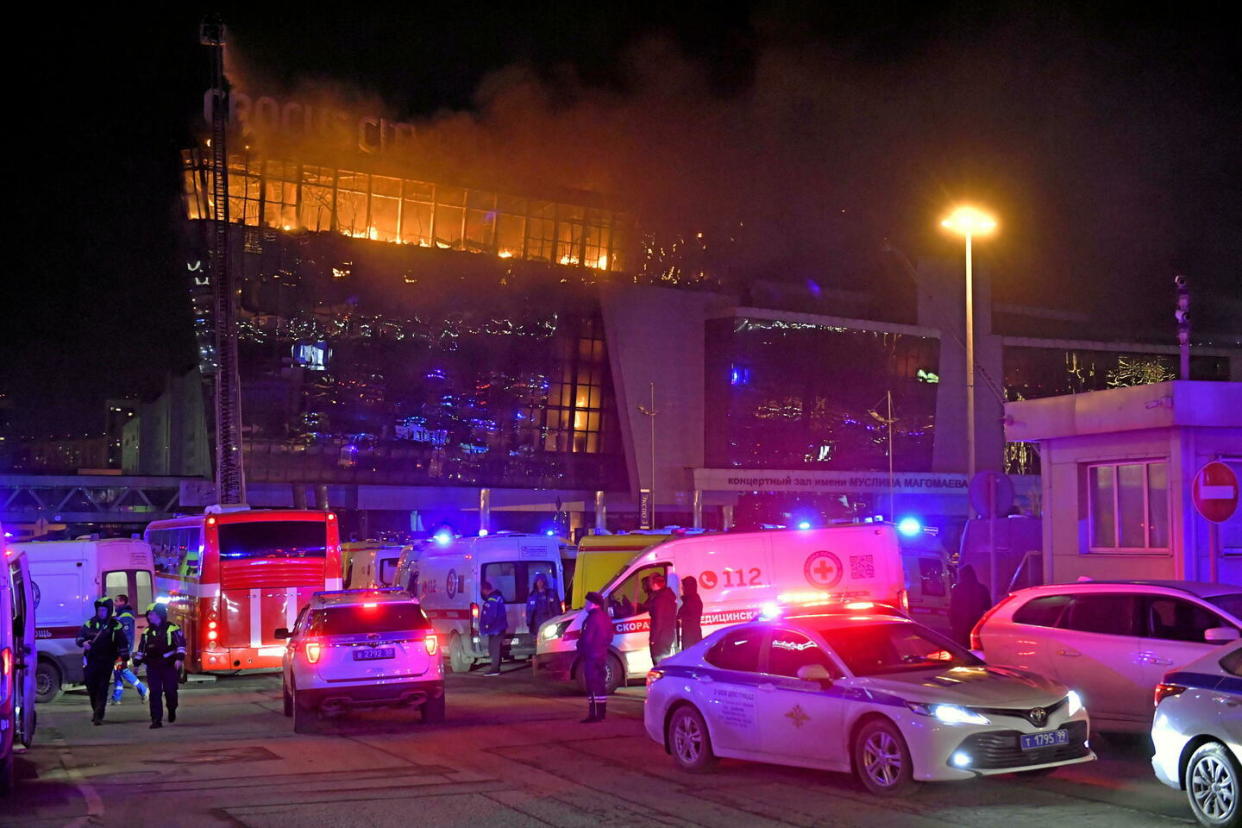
point(315, 211)
point(1128, 505)
point(571, 234)
point(541, 231)
point(385, 209)
point(417, 201)
point(481, 221)
point(280, 195)
point(245, 191)
point(450, 217)
point(351, 203)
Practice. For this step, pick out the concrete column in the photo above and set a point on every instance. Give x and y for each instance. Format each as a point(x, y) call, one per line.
point(299, 496)
point(485, 510)
point(321, 497)
point(726, 515)
point(601, 512)
point(698, 509)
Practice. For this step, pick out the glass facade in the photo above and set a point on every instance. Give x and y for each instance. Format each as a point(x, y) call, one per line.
point(288, 195)
point(791, 395)
point(385, 364)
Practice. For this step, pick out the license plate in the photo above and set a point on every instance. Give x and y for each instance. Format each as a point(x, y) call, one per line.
point(374, 653)
point(1034, 741)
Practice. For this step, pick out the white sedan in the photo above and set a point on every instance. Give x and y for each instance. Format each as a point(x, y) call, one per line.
point(1197, 731)
point(882, 696)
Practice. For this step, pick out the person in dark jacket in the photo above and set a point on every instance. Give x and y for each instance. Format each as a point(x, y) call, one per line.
point(663, 609)
point(103, 643)
point(493, 622)
point(162, 649)
point(125, 614)
point(542, 604)
point(690, 613)
point(593, 647)
point(968, 601)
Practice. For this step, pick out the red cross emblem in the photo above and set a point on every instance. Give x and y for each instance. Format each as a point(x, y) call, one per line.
point(823, 570)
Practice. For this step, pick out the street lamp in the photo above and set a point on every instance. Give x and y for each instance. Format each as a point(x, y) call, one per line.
point(970, 222)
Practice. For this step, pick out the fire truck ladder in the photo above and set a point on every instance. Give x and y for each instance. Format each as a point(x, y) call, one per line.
point(230, 474)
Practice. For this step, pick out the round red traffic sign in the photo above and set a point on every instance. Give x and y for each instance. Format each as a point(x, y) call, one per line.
point(1215, 491)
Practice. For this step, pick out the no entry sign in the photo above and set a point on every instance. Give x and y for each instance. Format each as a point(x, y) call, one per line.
point(1215, 491)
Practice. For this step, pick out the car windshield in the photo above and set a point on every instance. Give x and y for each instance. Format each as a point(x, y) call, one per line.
point(877, 649)
point(1231, 603)
point(360, 619)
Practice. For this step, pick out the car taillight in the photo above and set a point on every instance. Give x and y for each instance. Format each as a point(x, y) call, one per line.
point(313, 650)
point(903, 601)
point(653, 676)
point(212, 635)
point(432, 644)
point(1165, 689)
point(976, 642)
point(474, 617)
point(6, 671)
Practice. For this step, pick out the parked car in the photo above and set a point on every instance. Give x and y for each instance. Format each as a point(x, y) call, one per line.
point(1113, 641)
point(358, 648)
point(877, 694)
point(1197, 732)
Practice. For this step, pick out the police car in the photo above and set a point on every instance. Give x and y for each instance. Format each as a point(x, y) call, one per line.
point(853, 689)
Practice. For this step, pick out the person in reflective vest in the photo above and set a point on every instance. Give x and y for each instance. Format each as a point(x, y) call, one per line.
point(593, 647)
point(125, 614)
point(162, 650)
point(103, 643)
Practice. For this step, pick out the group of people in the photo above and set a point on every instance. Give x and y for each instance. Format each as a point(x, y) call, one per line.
point(107, 642)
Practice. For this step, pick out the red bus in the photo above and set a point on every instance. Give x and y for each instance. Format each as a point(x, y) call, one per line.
point(232, 578)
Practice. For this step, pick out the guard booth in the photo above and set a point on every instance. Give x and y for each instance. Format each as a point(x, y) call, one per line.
point(1138, 482)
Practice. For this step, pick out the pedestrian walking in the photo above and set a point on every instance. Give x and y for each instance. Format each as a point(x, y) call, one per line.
point(690, 613)
point(125, 614)
point(968, 601)
point(542, 604)
point(493, 622)
point(102, 639)
point(663, 609)
point(162, 650)
point(593, 647)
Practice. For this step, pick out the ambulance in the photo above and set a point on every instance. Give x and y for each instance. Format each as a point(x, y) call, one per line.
point(447, 574)
point(367, 564)
point(68, 576)
point(601, 556)
point(738, 575)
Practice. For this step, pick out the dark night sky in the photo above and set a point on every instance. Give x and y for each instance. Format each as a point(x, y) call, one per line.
point(1109, 139)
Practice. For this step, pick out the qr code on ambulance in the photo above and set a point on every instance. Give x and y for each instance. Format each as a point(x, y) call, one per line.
point(862, 566)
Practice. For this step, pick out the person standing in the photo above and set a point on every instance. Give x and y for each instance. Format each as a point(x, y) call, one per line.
point(968, 601)
point(162, 649)
point(663, 609)
point(102, 639)
point(493, 622)
point(542, 604)
point(593, 647)
point(125, 614)
point(690, 613)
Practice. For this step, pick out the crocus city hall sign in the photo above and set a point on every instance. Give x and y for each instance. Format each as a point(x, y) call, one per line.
point(294, 120)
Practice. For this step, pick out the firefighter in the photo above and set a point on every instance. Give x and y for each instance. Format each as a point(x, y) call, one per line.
point(593, 646)
point(542, 604)
point(102, 639)
point(162, 649)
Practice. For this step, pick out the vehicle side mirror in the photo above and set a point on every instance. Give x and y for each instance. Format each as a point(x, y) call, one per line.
point(814, 672)
point(281, 632)
point(1219, 635)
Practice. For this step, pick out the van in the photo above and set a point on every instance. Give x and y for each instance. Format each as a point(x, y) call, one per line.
point(926, 562)
point(602, 556)
point(68, 576)
point(447, 575)
point(368, 564)
point(737, 573)
point(17, 653)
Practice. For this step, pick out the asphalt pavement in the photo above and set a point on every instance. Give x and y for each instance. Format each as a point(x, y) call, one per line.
point(510, 754)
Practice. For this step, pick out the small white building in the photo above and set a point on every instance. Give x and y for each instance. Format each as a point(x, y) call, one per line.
point(1117, 471)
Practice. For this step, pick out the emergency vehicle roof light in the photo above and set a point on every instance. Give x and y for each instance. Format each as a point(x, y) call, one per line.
point(443, 537)
point(804, 524)
point(910, 526)
point(770, 611)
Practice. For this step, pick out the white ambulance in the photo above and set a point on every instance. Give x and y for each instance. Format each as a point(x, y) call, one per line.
point(446, 576)
point(738, 574)
point(68, 576)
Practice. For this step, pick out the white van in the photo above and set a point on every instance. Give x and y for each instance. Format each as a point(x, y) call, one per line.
point(68, 576)
point(17, 650)
point(370, 564)
point(446, 577)
point(738, 574)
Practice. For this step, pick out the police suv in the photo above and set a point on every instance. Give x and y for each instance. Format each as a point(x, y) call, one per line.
point(357, 648)
point(852, 689)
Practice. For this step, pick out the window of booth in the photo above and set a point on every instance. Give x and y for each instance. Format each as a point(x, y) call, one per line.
point(1128, 506)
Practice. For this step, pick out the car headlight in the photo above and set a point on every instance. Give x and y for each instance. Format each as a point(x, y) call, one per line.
point(1073, 703)
point(551, 631)
point(951, 714)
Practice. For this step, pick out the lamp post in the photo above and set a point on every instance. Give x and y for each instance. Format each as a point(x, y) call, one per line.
point(970, 222)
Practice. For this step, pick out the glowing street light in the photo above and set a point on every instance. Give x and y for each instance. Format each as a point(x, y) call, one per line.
point(970, 222)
